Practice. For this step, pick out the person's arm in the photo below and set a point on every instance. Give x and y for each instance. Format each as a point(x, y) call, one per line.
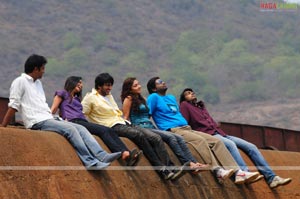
point(126, 107)
point(86, 105)
point(55, 104)
point(8, 116)
point(151, 103)
point(15, 98)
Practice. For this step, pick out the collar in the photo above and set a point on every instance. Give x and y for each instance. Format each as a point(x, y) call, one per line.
point(27, 77)
point(95, 92)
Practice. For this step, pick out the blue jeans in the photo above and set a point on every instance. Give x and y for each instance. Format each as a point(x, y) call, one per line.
point(233, 143)
point(177, 144)
point(86, 146)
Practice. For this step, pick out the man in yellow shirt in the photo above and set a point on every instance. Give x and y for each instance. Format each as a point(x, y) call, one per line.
point(100, 107)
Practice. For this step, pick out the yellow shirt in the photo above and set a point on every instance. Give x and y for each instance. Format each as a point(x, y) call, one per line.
point(101, 110)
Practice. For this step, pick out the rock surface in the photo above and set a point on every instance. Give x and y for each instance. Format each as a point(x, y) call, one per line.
point(37, 164)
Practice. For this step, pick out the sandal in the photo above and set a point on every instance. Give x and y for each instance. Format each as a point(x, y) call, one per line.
point(133, 158)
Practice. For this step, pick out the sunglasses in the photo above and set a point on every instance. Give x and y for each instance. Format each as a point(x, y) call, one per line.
point(159, 81)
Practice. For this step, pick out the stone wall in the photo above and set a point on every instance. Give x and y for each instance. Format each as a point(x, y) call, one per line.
point(36, 164)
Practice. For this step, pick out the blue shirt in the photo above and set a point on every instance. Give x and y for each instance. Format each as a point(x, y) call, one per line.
point(165, 111)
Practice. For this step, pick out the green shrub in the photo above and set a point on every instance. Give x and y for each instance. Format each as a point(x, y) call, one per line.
point(71, 40)
point(100, 40)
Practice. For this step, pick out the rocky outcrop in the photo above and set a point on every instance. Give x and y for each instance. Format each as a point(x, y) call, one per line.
point(38, 164)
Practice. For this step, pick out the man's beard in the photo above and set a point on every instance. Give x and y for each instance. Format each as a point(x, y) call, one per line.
point(162, 90)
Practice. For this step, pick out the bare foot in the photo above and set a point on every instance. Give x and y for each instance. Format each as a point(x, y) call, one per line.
point(125, 155)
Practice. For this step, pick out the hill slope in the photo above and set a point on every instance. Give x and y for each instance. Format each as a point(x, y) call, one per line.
point(229, 51)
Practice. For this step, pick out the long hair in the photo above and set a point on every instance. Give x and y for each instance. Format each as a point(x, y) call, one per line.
point(70, 84)
point(137, 99)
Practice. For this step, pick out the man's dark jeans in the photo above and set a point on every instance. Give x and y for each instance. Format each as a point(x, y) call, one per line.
point(152, 145)
point(107, 135)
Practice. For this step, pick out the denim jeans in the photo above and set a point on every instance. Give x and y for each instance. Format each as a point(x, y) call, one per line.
point(86, 146)
point(151, 143)
point(233, 143)
point(109, 137)
point(177, 144)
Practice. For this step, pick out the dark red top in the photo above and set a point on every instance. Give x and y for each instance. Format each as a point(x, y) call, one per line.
point(198, 118)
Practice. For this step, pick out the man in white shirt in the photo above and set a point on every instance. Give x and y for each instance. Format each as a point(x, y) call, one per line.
point(27, 97)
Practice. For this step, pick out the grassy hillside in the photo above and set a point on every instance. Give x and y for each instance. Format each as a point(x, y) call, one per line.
point(229, 51)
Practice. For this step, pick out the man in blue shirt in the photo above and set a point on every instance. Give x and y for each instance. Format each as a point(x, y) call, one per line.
point(165, 112)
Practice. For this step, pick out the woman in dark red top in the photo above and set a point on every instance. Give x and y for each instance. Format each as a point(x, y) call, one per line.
point(199, 119)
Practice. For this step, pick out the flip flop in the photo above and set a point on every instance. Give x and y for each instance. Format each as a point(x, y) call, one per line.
point(133, 157)
point(137, 158)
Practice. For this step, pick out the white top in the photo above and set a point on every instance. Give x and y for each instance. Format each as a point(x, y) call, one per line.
point(28, 98)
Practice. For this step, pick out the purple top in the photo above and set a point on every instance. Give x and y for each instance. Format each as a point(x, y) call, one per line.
point(199, 119)
point(70, 108)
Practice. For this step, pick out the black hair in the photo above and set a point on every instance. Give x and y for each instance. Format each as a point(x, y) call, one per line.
point(137, 99)
point(151, 84)
point(182, 98)
point(102, 79)
point(71, 83)
point(34, 61)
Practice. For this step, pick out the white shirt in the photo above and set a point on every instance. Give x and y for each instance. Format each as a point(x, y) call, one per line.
point(28, 98)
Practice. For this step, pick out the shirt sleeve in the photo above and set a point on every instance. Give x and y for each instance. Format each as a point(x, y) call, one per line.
point(62, 93)
point(151, 101)
point(86, 105)
point(16, 93)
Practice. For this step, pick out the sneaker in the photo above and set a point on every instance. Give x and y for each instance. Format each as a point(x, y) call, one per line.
point(277, 181)
point(222, 174)
point(166, 174)
point(259, 177)
point(242, 177)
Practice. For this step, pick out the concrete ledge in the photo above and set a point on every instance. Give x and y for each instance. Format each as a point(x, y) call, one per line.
point(25, 157)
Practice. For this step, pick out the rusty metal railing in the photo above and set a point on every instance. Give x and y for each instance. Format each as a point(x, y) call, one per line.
point(265, 137)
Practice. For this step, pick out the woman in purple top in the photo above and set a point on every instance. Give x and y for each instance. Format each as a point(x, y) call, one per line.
point(69, 103)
